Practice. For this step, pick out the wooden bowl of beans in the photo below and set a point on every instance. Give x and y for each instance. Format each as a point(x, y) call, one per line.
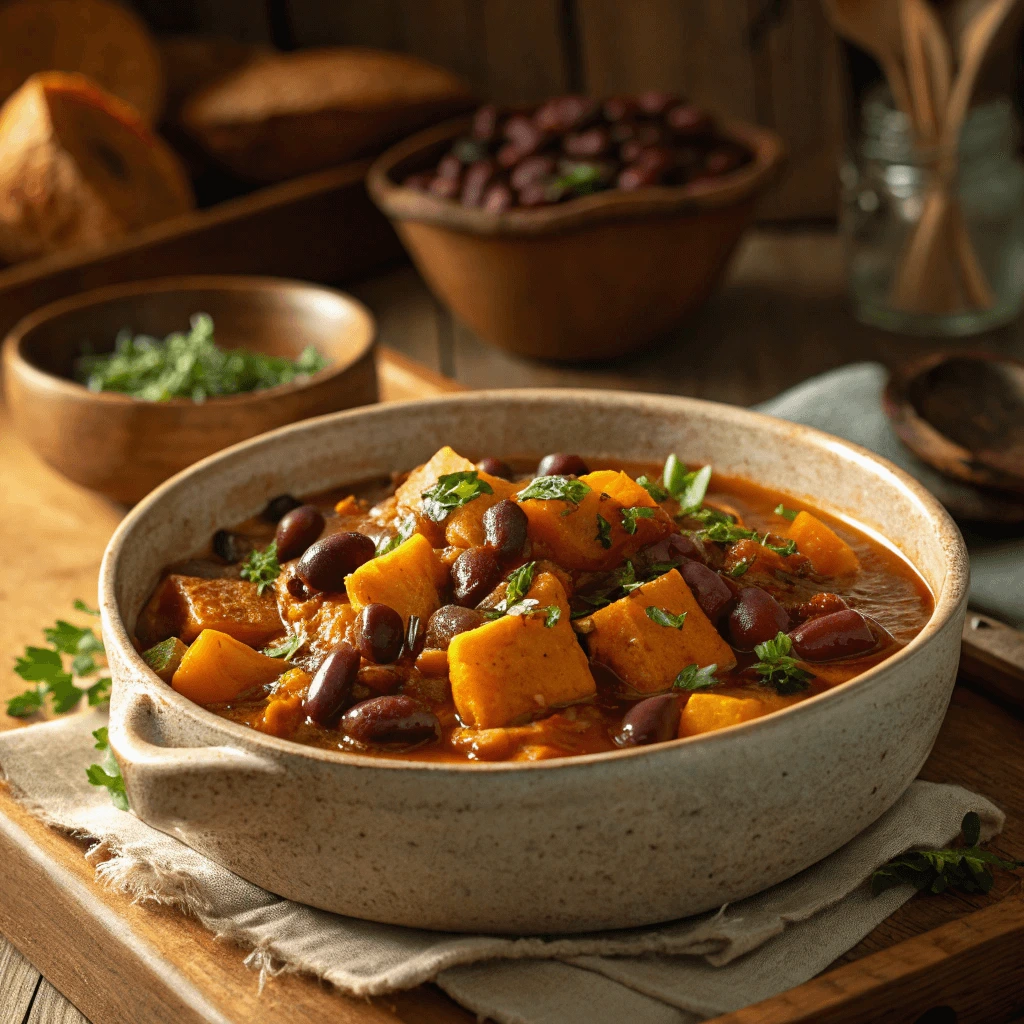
point(581, 230)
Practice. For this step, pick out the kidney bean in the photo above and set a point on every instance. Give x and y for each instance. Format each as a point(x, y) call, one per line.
point(297, 589)
point(659, 158)
point(757, 617)
point(445, 188)
point(524, 134)
point(821, 604)
point(485, 123)
point(498, 198)
point(654, 102)
point(564, 113)
point(827, 637)
point(326, 563)
point(723, 160)
point(674, 547)
point(297, 530)
point(505, 526)
point(475, 181)
point(475, 574)
point(539, 194)
point(493, 466)
point(531, 170)
point(509, 155)
point(587, 144)
point(562, 464)
point(397, 720)
point(379, 633)
point(653, 720)
point(638, 175)
point(230, 546)
point(709, 589)
point(449, 166)
point(420, 181)
point(689, 121)
point(619, 108)
point(449, 620)
point(330, 692)
point(278, 507)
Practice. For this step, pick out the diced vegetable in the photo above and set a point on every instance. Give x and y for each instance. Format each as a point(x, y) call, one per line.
point(464, 526)
point(441, 463)
point(830, 555)
point(647, 655)
point(583, 536)
point(648, 529)
point(217, 668)
point(165, 657)
point(706, 712)
point(283, 713)
point(406, 579)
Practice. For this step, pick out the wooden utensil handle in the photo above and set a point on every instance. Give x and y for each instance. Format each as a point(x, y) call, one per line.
point(992, 658)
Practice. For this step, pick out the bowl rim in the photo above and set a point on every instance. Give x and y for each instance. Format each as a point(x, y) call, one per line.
point(738, 186)
point(17, 362)
point(947, 603)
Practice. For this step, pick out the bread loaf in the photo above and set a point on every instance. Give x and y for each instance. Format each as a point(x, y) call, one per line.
point(291, 113)
point(78, 167)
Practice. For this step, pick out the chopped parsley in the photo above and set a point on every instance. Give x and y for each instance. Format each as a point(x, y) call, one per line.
point(406, 528)
point(80, 606)
point(786, 549)
point(726, 532)
point(604, 531)
point(582, 179)
point(261, 567)
point(653, 488)
point(631, 515)
point(663, 617)
point(518, 583)
point(452, 491)
point(778, 668)
point(285, 648)
point(967, 867)
point(694, 678)
point(687, 487)
point(108, 774)
point(739, 569)
point(555, 488)
point(707, 516)
point(528, 606)
point(786, 513)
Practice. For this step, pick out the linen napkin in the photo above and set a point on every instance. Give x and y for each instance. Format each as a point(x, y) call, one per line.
point(675, 973)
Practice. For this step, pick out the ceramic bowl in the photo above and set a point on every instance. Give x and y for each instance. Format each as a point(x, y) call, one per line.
point(607, 840)
point(123, 447)
point(590, 279)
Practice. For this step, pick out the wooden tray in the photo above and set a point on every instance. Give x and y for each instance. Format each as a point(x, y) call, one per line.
point(119, 962)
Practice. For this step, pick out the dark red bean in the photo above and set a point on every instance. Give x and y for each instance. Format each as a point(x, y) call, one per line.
point(230, 546)
point(509, 155)
point(659, 158)
point(326, 563)
point(564, 113)
point(446, 188)
point(821, 604)
point(448, 621)
point(493, 466)
point(653, 720)
point(757, 617)
point(331, 689)
point(689, 122)
point(638, 175)
point(485, 123)
point(449, 166)
point(395, 721)
point(379, 633)
point(531, 170)
point(505, 526)
point(827, 637)
point(278, 507)
point(654, 102)
point(475, 573)
point(297, 589)
point(523, 133)
point(587, 144)
point(562, 464)
point(708, 588)
point(297, 530)
point(673, 548)
point(619, 108)
point(539, 194)
point(498, 198)
point(475, 181)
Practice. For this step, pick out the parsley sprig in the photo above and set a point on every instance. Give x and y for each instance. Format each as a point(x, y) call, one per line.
point(405, 528)
point(695, 678)
point(663, 617)
point(778, 668)
point(285, 648)
point(687, 487)
point(262, 567)
point(555, 488)
point(108, 773)
point(631, 515)
point(452, 491)
point(967, 867)
point(653, 488)
point(604, 532)
point(786, 513)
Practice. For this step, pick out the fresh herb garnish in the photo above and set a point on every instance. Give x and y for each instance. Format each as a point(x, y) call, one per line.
point(663, 617)
point(777, 668)
point(631, 515)
point(188, 365)
point(604, 531)
point(517, 584)
point(452, 491)
point(285, 648)
point(529, 606)
point(726, 532)
point(786, 513)
point(694, 678)
point(80, 606)
point(707, 516)
point(582, 180)
point(687, 487)
point(555, 488)
point(261, 567)
point(786, 549)
point(965, 867)
point(406, 528)
point(653, 488)
point(108, 774)
point(739, 569)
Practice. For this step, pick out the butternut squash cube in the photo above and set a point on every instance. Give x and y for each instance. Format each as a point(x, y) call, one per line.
point(217, 668)
point(646, 655)
point(625, 490)
point(829, 554)
point(324, 620)
point(571, 534)
point(406, 579)
point(707, 712)
point(441, 463)
point(464, 527)
point(283, 713)
point(506, 669)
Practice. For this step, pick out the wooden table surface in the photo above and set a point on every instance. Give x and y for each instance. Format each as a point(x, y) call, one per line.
point(780, 318)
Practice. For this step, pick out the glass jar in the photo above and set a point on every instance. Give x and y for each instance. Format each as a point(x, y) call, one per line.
point(885, 189)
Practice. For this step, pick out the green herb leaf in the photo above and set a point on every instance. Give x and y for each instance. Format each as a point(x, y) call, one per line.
point(69, 639)
point(81, 606)
point(786, 549)
point(108, 774)
point(653, 488)
point(777, 668)
point(554, 613)
point(452, 491)
point(694, 678)
point(27, 703)
point(663, 617)
point(739, 569)
point(555, 488)
point(786, 513)
point(406, 527)
point(582, 180)
point(261, 567)
point(40, 665)
point(707, 516)
point(726, 533)
point(99, 692)
point(688, 488)
point(631, 515)
point(530, 606)
point(285, 648)
point(519, 582)
point(604, 531)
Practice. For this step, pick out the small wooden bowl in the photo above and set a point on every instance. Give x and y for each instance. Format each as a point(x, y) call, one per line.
point(123, 447)
point(589, 279)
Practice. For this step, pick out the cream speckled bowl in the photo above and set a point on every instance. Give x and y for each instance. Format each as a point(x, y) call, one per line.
point(604, 841)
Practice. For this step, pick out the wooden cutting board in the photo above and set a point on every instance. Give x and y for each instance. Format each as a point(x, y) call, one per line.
point(124, 963)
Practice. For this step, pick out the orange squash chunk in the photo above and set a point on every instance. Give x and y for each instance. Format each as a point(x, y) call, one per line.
point(646, 655)
point(829, 554)
point(625, 490)
point(406, 579)
point(441, 463)
point(507, 669)
point(217, 668)
point(707, 712)
point(283, 713)
point(464, 528)
point(568, 534)
point(324, 620)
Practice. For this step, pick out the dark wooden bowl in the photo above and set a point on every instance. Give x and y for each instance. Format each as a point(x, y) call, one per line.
point(123, 447)
point(589, 279)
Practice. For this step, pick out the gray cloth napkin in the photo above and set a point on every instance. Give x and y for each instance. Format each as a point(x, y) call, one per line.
point(679, 972)
point(848, 403)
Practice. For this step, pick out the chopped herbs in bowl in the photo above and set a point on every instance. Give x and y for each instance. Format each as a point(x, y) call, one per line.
point(188, 364)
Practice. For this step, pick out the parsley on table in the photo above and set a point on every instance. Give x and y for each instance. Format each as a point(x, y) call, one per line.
point(631, 515)
point(80, 606)
point(786, 513)
point(686, 486)
point(285, 648)
point(653, 488)
point(406, 528)
point(555, 488)
point(604, 531)
point(452, 491)
point(262, 567)
point(108, 774)
point(778, 668)
point(663, 617)
point(967, 867)
point(694, 678)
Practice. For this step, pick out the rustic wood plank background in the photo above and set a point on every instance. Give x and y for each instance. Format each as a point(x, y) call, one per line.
point(771, 61)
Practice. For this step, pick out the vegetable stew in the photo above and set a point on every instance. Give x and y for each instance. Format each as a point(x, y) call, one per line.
point(512, 611)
